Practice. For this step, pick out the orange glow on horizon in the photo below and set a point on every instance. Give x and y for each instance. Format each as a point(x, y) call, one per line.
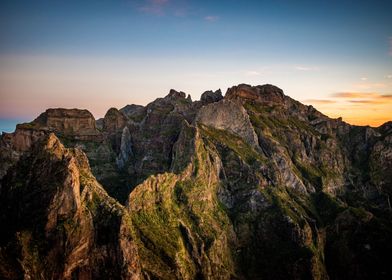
point(357, 108)
point(31, 84)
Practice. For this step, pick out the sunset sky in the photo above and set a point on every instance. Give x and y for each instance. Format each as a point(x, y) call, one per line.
point(335, 55)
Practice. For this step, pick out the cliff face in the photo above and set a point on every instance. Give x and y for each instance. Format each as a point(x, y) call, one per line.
point(61, 224)
point(254, 185)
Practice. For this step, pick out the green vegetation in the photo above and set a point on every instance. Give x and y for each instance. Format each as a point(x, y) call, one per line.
point(180, 221)
point(29, 126)
point(269, 121)
point(327, 207)
point(233, 142)
point(311, 173)
point(283, 201)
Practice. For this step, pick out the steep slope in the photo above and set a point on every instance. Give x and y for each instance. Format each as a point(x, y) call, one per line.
point(75, 128)
point(183, 230)
point(60, 223)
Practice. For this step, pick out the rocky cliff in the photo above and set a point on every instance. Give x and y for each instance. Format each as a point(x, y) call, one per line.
point(252, 185)
point(58, 221)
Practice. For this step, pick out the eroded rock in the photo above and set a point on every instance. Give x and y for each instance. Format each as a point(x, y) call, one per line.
point(228, 115)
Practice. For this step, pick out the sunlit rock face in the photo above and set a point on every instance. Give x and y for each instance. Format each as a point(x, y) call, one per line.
point(229, 116)
point(252, 185)
point(267, 94)
point(67, 121)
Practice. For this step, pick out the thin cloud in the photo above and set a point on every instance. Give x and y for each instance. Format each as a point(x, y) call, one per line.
point(211, 18)
point(302, 68)
point(372, 101)
point(370, 85)
point(252, 73)
point(363, 98)
point(156, 7)
point(353, 94)
point(319, 101)
point(389, 76)
point(360, 108)
point(306, 68)
point(364, 78)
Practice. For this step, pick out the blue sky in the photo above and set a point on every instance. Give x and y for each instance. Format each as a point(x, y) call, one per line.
point(98, 54)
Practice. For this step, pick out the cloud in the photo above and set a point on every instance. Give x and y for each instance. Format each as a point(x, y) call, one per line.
point(319, 101)
point(365, 101)
point(211, 18)
point(364, 78)
point(156, 7)
point(370, 85)
point(353, 94)
point(252, 73)
point(389, 76)
point(306, 68)
point(360, 108)
point(364, 97)
point(176, 8)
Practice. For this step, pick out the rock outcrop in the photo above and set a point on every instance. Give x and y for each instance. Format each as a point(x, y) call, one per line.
point(133, 112)
point(68, 121)
point(230, 116)
point(114, 121)
point(211, 96)
point(267, 94)
point(125, 148)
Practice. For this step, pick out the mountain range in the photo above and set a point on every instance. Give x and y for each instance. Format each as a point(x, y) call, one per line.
point(249, 185)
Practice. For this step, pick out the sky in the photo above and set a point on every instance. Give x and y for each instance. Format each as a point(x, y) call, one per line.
point(334, 55)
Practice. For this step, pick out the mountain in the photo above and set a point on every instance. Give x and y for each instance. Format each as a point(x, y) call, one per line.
point(252, 185)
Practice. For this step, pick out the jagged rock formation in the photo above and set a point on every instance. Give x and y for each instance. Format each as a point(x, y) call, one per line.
point(211, 96)
point(61, 224)
point(125, 148)
point(229, 116)
point(114, 121)
point(253, 185)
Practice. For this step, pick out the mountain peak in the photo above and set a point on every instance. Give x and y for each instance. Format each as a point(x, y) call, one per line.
point(210, 96)
point(262, 93)
point(114, 120)
point(69, 121)
point(173, 94)
point(52, 143)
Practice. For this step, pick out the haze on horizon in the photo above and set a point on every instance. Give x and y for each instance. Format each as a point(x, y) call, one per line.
point(334, 55)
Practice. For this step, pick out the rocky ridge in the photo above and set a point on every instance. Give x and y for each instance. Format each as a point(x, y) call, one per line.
point(252, 185)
